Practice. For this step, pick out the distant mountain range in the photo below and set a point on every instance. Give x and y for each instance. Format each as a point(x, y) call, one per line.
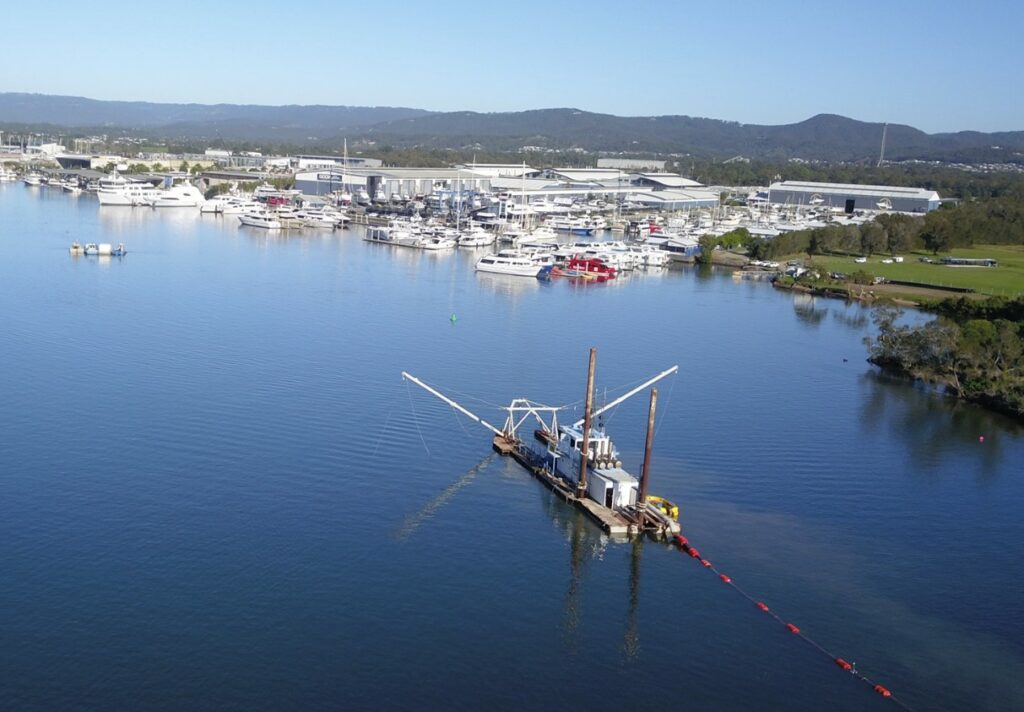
point(822, 137)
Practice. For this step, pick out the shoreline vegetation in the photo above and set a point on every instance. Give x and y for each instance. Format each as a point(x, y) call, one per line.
point(974, 347)
point(973, 350)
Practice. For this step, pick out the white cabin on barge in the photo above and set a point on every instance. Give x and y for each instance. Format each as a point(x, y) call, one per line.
point(607, 483)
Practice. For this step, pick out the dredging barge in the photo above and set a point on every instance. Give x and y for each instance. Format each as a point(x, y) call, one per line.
point(579, 462)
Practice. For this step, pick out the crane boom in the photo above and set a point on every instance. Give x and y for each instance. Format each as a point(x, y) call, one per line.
point(450, 402)
point(630, 394)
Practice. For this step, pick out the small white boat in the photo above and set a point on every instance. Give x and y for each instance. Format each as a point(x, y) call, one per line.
point(260, 218)
point(103, 249)
point(476, 237)
point(436, 242)
point(321, 216)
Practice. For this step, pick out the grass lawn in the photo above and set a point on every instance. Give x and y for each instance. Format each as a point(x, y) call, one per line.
point(1005, 280)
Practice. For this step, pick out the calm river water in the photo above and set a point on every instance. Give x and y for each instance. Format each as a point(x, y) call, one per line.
point(216, 491)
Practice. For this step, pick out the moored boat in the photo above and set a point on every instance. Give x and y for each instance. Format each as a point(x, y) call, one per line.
point(512, 264)
point(587, 268)
point(103, 249)
point(260, 218)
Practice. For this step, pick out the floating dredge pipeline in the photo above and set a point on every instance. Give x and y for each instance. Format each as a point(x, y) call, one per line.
point(684, 546)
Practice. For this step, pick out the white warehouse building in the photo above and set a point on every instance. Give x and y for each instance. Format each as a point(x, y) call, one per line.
point(850, 197)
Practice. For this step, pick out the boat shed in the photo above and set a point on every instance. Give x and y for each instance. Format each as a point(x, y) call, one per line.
point(675, 199)
point(632, 164)
point(664, 181)
point(850, 197)
point(392, 182)
point(585, 175)
point(306, 162)
point(501, 170)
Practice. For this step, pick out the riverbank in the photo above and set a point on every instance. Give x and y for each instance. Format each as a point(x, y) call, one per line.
point(926, 270)
point(975, 352)
point(899, 294)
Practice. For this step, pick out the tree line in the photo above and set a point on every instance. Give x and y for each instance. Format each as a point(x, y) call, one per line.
point(975, 350)
point(996, 221)
point(949, 181)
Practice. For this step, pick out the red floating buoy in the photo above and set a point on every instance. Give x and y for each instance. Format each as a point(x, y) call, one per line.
point(694, 553)
point(681, 540)
point(725, 578)
point(884, 692)
point(981, 438)
point(843, 664)
point(763, 606)
point(705, 563)
point(792, 628)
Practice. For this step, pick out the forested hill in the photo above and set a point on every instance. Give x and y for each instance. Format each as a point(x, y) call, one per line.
point(822, 137)
point(240, 121)
point(825, 136)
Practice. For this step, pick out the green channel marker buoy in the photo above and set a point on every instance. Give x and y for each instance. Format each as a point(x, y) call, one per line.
point(453, 319)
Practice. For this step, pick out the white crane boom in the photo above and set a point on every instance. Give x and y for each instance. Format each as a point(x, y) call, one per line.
point(450, 402)
point(630, 394)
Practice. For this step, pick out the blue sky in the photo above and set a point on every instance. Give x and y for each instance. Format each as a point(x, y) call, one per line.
point(939, 66)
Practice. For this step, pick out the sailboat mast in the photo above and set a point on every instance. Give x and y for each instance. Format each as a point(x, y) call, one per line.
point(589, 404)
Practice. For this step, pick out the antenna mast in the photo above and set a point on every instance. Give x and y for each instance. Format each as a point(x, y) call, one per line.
point(881, 156)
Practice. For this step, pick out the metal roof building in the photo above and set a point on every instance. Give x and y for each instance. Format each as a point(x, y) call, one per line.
point(501, 170)
point(675, 199)
point(632, 164)
point(850, 197)
point(660, 181)
point(406, 182)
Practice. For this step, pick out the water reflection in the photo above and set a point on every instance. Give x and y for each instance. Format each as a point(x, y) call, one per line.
point(509, 285)
point(808, 311)
point(587, 543)
point(121, 220)
point(853, 316)
point(933, 425)
point(704, 272)
point(631, 640)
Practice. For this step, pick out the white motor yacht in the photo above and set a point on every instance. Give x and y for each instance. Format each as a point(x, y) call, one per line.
point(476, 237)
point(115, 189)
point(184, 195)
point(260, 218)
point(511, 264)
point(436, 242)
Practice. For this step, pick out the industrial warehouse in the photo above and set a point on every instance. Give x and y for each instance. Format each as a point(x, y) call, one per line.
point(663, 191)
point(850, 197)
